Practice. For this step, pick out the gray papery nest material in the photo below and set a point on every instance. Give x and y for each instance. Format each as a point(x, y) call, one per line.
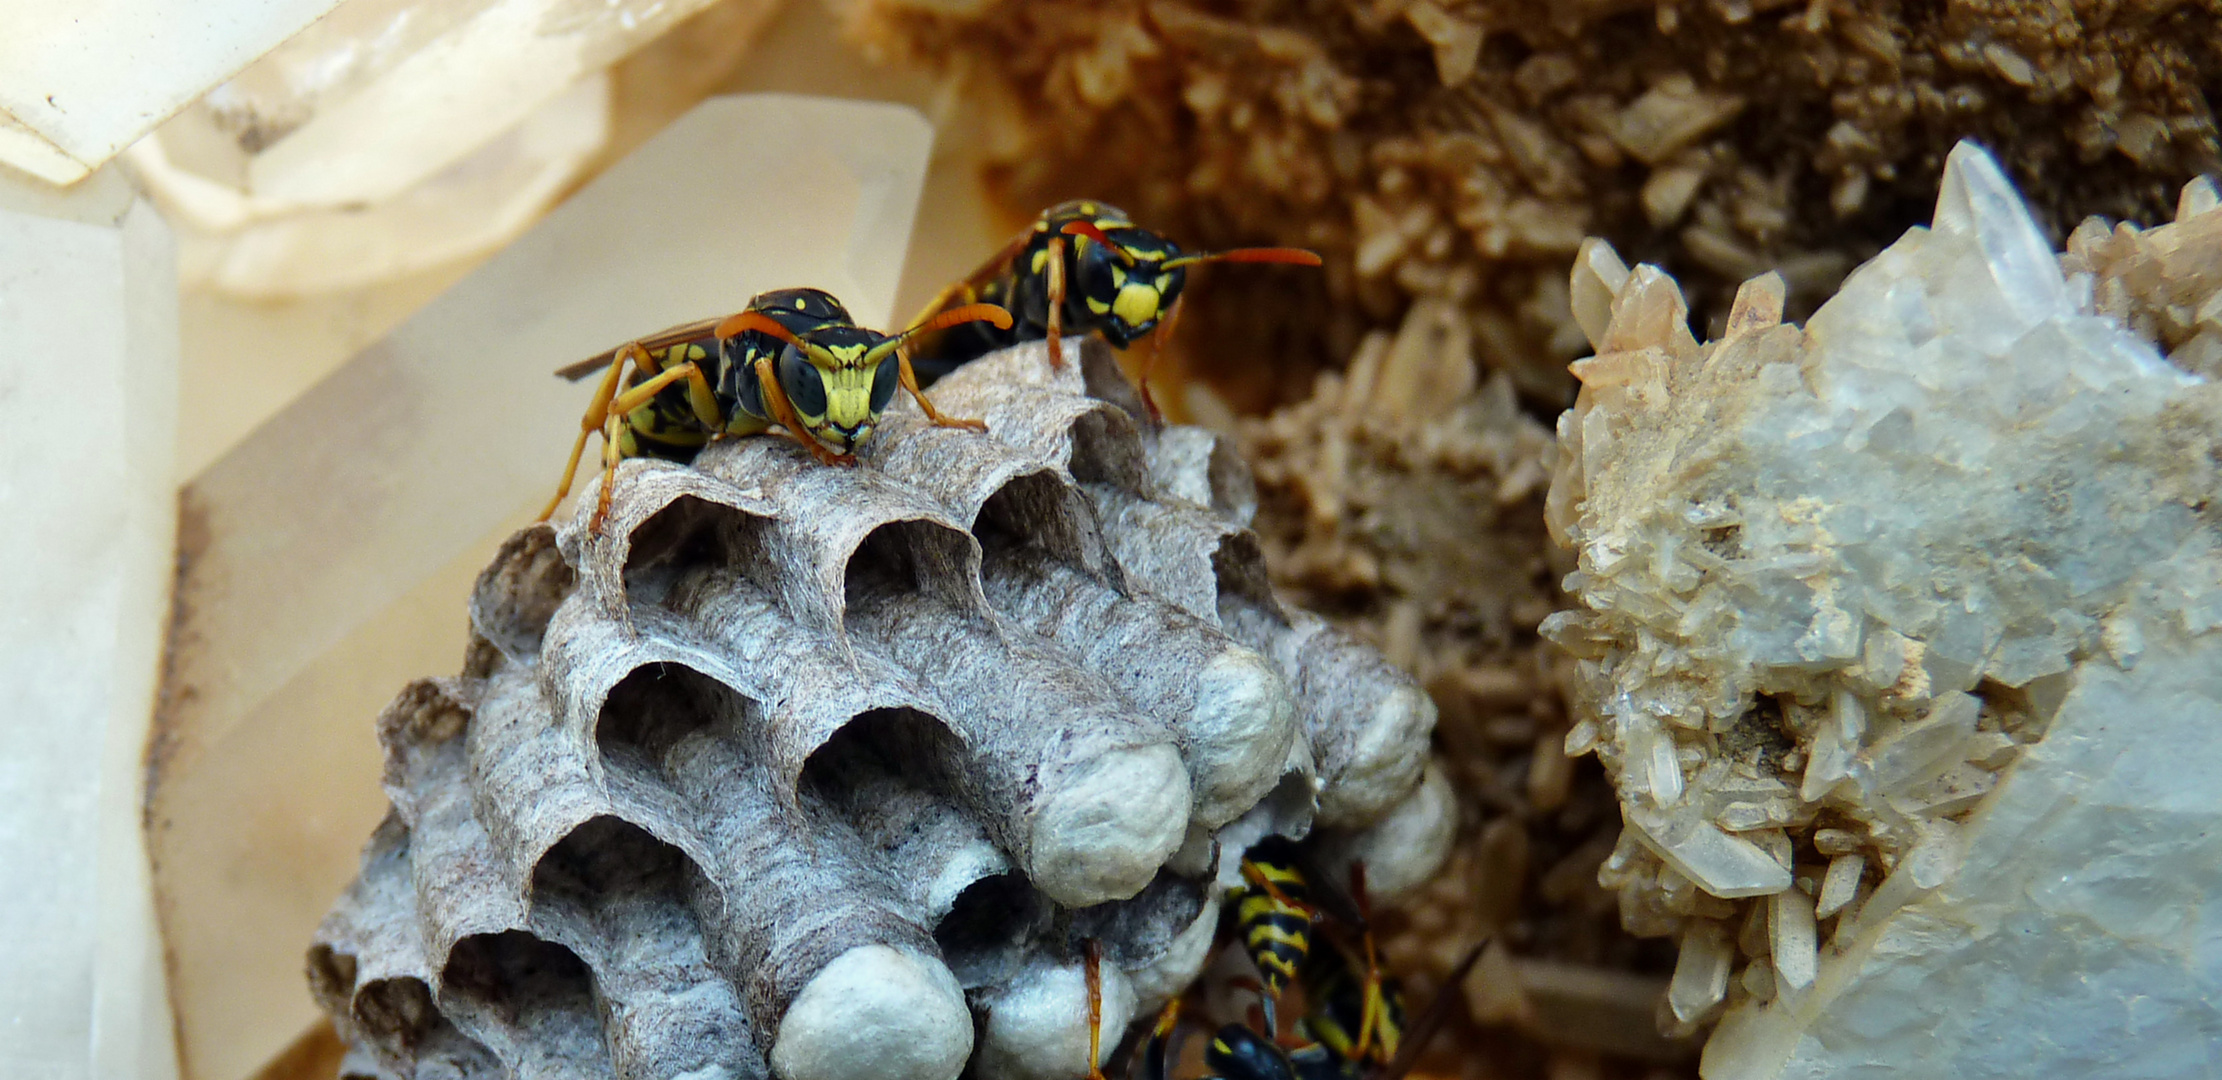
point(792, 769)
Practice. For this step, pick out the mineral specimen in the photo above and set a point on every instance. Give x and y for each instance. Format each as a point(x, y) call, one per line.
point(1897, 635)
point(1459, 150)
point(798, 767)
point(90, 286)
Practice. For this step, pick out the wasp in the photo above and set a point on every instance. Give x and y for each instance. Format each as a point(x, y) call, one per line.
point(792, 358)
point(1083, 267)
point(1354, 1022)
point(1273, 917)
point(1356, 1017)
point(1237, 1052)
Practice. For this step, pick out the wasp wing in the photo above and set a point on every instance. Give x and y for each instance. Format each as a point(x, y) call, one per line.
point(662, 339)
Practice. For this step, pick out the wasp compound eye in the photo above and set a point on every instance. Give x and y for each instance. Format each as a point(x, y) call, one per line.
point(884, 380)
point(806, 388)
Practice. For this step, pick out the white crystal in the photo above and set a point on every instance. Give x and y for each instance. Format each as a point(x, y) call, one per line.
point(1923, 748)
point(384, 93)
point(1839, 884)
point(1791, 938)
point(1973, 518)
point(1723, 864)
point(79, 82)
point(2077, 920)
point(88, 329)
point(263, 248)
point(1700, 972)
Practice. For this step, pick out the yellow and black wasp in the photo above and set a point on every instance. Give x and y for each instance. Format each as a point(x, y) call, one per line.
point(792, 358)
point(1353, 1026)
point(1237, 1052)
point(1273, 916)
point(1121, 282)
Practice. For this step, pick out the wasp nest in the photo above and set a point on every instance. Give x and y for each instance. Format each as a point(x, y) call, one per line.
point(833, 771)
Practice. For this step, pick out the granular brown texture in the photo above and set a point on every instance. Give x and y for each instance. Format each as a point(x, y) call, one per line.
point(1406, 501)
point(1447, 157)
point(1461, 150)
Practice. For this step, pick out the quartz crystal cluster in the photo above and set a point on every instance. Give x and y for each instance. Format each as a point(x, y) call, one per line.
point(825, 773)
point(1897, 635)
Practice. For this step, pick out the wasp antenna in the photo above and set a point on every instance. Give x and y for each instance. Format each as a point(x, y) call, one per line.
point(1089, 230)
point(1292, 256)
point(988, 313)
point(760, 322)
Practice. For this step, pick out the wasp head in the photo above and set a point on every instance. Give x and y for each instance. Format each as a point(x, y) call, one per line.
point(839, 380)
point(1121, 275)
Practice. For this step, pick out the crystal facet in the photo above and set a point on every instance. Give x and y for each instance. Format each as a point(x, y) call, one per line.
point(1962, 607)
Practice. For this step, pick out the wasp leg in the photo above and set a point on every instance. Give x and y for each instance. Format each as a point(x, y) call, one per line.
point(784, 412)
point(1164, 341)
point(1057, 302)
point(612, 453)
point(939, 418)
point(1157, 1061)
point(596, 419)
point(699, 398)
point(1374, 1011)
point(1094, 950)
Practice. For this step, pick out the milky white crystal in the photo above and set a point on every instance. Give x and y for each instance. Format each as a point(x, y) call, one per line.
point(1919, 605)
point(88, 336)
point(79, 82)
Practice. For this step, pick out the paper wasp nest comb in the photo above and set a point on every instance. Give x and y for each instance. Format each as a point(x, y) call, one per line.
point(830, 773)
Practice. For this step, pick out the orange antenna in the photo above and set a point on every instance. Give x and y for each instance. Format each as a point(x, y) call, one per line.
point(987, 313)
point(1292, 256)
point(968, 313)
point(1089, 230)
point(760, 322)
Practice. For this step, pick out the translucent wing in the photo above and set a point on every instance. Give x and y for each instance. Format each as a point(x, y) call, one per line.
point(662, 339)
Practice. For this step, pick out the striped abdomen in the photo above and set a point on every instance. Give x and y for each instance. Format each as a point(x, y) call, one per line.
point(1276, 929)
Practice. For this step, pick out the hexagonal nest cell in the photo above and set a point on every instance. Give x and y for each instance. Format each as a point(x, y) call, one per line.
point(788, 769)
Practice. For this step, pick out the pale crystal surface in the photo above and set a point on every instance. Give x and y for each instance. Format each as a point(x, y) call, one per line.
point(79, 82)
point(397, 134)
point(88, 411)
point(384, 93)
point(1897, 637)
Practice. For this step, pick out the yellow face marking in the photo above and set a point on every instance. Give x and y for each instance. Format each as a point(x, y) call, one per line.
point(848, 396)
point(1137, 304)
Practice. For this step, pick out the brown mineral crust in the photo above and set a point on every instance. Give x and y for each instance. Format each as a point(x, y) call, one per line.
point(1460, 150)
point(1414, 518)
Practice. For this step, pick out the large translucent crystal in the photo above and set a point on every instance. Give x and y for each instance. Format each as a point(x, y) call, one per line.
point(1918, 605)
point(79, 82)
point(88, 411)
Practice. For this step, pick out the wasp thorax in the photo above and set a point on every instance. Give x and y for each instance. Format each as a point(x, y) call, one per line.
point(784, 770)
